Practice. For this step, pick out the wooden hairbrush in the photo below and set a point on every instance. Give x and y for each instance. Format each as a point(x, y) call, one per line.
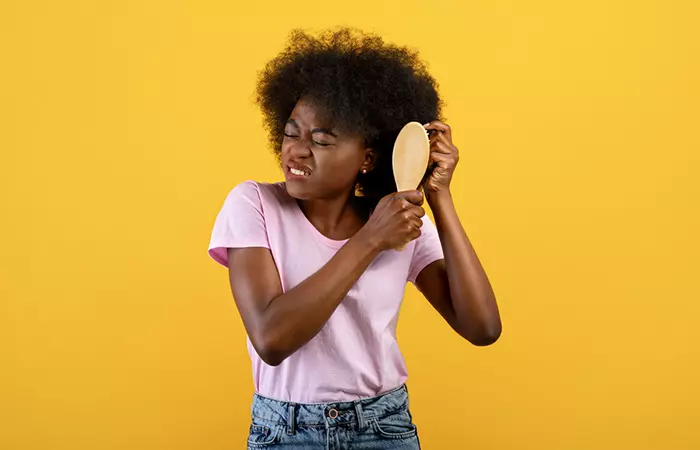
point(410, 158)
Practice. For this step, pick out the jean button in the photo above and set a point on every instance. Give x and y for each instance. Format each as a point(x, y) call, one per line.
point(333, 413)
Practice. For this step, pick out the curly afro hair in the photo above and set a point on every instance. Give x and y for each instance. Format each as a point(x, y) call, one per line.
point(365, 86)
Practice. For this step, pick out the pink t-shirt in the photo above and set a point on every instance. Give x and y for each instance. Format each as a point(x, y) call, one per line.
point(355, 355)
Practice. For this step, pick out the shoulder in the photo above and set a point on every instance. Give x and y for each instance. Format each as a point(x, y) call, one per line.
point(277, 190)
point(245, 193)
point(258, 194)
point(250, 188)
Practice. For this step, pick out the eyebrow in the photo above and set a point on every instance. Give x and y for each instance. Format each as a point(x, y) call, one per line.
point(315, 130)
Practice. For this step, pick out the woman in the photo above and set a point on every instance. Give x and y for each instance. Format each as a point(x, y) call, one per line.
point(313, 262)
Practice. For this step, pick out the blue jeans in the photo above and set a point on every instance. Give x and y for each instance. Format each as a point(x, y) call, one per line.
point(379, 423)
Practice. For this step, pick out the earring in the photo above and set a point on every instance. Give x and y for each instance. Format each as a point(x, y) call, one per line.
point(364, 171)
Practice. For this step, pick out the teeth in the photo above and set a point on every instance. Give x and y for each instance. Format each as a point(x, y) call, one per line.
point(297, 172)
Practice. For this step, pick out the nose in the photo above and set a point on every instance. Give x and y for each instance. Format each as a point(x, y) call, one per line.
point(299, 149)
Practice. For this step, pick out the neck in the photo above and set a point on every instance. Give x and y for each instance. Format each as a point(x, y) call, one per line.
point(337, 218)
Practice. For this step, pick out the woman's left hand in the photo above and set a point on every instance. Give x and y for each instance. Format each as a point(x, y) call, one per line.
point(443, 157)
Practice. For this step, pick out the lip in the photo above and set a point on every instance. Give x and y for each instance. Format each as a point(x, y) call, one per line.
point(303, 168)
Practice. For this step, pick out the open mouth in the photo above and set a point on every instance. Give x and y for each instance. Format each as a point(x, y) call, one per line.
point(300, 172)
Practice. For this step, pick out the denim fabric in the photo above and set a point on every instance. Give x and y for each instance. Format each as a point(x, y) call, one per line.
point(379, 423)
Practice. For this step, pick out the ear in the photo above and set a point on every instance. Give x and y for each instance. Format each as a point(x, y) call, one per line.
point(370, 160)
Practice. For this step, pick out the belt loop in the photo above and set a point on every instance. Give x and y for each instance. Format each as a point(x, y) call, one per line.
point(360, 415)
point(291, 419)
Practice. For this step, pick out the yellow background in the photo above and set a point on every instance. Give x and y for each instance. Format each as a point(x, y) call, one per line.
point(124, 124)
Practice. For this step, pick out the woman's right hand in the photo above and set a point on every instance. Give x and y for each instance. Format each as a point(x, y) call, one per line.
point(395, 221)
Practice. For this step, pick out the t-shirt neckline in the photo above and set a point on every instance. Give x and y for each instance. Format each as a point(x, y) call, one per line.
point(312, 228)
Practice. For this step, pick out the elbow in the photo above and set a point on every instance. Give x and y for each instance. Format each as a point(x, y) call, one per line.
point(271, 357)
point(485, 339)
point(485, 335)
point(269, 350)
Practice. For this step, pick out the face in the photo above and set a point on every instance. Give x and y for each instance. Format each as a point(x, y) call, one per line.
point(318, 160)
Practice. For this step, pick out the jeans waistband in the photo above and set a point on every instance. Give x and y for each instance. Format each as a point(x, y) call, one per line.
point(293, 415)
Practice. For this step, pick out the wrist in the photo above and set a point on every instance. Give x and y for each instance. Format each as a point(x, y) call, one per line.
point(435, 198)
point(367, 242)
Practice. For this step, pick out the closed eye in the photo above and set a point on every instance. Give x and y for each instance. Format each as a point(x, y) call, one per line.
point(319, 144)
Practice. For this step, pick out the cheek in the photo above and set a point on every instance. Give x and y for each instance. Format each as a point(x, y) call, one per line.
point(284, 147)
point(345, 167)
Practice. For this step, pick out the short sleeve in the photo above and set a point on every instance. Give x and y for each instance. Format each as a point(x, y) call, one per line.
point(426, 251)
point(240, 223)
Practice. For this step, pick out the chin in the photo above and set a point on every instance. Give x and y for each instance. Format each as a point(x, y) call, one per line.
point(295, 190)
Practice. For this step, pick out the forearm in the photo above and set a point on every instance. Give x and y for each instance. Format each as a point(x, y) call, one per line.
point(295, 317)
point(471, 295)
